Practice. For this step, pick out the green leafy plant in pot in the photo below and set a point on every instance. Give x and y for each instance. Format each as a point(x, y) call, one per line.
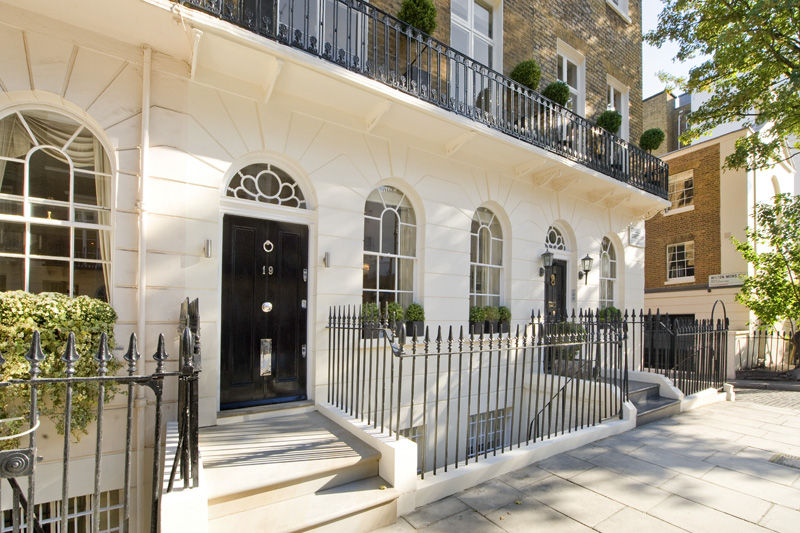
point(610, 120)
point(420, 14)
point(651, 139)
point(609, 314)
point(492, 316)
point(505, 319)
point(415, 320)
point(394, 312)
point(371, 318)
point(558, 92)
point(477, 318)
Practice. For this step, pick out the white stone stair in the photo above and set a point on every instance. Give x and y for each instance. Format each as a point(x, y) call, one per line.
point(294, 473)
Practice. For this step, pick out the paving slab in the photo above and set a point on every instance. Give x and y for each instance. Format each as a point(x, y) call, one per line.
point(756, 486)
point(532, 514)
point(429, 514)
point(576, 502)
point(489, 495)
point(632, 521)
point(722, 499)
point(782, 519)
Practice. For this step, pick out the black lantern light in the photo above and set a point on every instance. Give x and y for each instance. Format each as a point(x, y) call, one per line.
point(586, 266)
point(547, 262)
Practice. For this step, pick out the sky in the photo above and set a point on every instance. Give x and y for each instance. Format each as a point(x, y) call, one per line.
point(655, 59)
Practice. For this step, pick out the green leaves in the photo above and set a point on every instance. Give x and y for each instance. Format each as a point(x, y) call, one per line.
point(772, 247)
point(420, 14)
point(751, 69)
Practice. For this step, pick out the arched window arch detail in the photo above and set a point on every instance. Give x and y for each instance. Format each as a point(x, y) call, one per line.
point(266, 183)
point(608, 273)
point(555, 239)
point(485, 259)
point(55, 195)
point(390, 242)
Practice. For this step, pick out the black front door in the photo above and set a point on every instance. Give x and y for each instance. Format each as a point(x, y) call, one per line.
point(264, 302)
point(555, 291)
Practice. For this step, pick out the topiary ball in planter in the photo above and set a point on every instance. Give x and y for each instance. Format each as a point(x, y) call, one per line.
point(415, 320)
point(610, 121)
point(492, 316)
point(477, 317)
point(558, 92)
point(505, 319)
point(394, 312)
point(421, 14)
point(527, 73)
point(651, 139)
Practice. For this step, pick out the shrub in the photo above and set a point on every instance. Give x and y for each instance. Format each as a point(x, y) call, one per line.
point(421, 14)
point(505, 313)
point(558, 92)
point(477, 314)
point(415, 313)
point(527, 73)
point(651, 139)
point(369, 312)
point(492, 313)
point(54, 315)
point(607, 314)
point(610, 121)
point(394, 312)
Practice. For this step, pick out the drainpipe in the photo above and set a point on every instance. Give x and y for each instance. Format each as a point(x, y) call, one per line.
point(141, 402)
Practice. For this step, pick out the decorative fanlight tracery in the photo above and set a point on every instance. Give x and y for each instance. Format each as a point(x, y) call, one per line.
point(554, 240)
point(266, 183)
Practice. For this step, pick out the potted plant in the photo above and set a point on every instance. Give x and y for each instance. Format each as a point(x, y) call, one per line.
point(558, 92)
point(610, 121)
point(528, 74)
point(394, 313)
point(477, 319)
point(505, 319)
point(492, 315)
point(415, 320)
point(420, 16)
point(609, 314)
point(651, 139)
point(370, 320)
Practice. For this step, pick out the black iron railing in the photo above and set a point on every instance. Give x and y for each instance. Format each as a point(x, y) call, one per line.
point(364, 39)
point(463, 397)
point(21, 464)
point(768, 352)
point(692, 353)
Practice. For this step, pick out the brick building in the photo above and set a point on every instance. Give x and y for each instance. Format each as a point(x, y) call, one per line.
point(690, 259)
point(669, 113)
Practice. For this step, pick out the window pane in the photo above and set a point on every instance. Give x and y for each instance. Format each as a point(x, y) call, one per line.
point(460, 8)
point(561, 67)
point(12, 272)
point(89, 280)
point(11, 177)
point(12, 238)
point(459, 39)
point(484, 243)
point(497, 252)
point(408, 240)
point(494, 281)
point(93, 216)
point(618, 101)
point(48, 275)
point(48, 175)
point(88, 244)
point(49, 240)
point(572, 74)
point(482, 51)
point(406, 212)
point(483, 20)
point(370, 268)
point(96, 190)
point(387, 273)
point(374, 205)
point(405, 275)
point(473, 248)
point(372, 229)
point(10, 207)
point(50, 212)
point(389, 230)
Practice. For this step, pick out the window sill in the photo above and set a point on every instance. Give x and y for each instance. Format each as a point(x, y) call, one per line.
point(616, 8)
point(676, 281)
point(679, 210)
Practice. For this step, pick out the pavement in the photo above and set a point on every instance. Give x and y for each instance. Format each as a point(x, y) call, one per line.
point(732, 466)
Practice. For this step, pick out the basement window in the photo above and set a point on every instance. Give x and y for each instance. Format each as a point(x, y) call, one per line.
point(487, 431)
point(79, 514)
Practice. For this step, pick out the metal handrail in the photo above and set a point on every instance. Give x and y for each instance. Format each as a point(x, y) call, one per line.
point(362, 38)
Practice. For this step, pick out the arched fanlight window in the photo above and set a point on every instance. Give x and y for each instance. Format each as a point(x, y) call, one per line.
point(55, 206)
point(554, 239)
point(266, 183)
point(485, 259)
point(390, 236)
point(608, 273)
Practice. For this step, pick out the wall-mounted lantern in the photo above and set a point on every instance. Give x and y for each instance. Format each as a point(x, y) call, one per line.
point(547, 262)
point(586, 267)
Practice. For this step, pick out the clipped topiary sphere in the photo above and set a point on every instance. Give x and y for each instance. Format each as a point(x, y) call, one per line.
point(610, 121)
point(651, 139)
point(421, 14)
point(527, 73)
point(558, 92)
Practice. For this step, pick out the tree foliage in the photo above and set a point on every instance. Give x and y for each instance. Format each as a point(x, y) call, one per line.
point(772, 247)
point(751, 69)
point(420, 14)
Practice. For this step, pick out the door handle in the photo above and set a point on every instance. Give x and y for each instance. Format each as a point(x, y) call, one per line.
point(266, 307)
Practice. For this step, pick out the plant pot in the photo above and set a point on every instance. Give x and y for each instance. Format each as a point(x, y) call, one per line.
point(503, 327)
point(416, 327)
point(490, 327)
point(368, 331)
point(476, 328)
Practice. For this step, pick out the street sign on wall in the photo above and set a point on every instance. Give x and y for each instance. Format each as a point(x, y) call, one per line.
point(726, 280)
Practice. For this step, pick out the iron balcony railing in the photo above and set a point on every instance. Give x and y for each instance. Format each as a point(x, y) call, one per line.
point(364, 39)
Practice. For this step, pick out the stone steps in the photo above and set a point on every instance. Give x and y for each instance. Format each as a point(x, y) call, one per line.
point(293, 473)
point(650, 406)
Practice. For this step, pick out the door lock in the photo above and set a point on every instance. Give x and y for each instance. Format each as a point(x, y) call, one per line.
point(266, 307)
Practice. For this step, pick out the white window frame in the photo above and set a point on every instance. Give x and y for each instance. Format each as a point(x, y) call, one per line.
point(689, 258)
point(567, 53)
point(396, 256)
point(675, 194)
point(416, 435)
point(621, 8)
point(496, 40)
point(475, 266)
point(79, 509)
point(498, 435)
point(28, 202)
point(608, 249)
point(616, 86)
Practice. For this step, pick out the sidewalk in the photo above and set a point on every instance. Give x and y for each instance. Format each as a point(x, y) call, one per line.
point(712, 469)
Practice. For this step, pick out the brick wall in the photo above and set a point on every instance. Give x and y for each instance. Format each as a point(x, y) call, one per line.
point(658, 111)
point(701, 225)
point(530, 30)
